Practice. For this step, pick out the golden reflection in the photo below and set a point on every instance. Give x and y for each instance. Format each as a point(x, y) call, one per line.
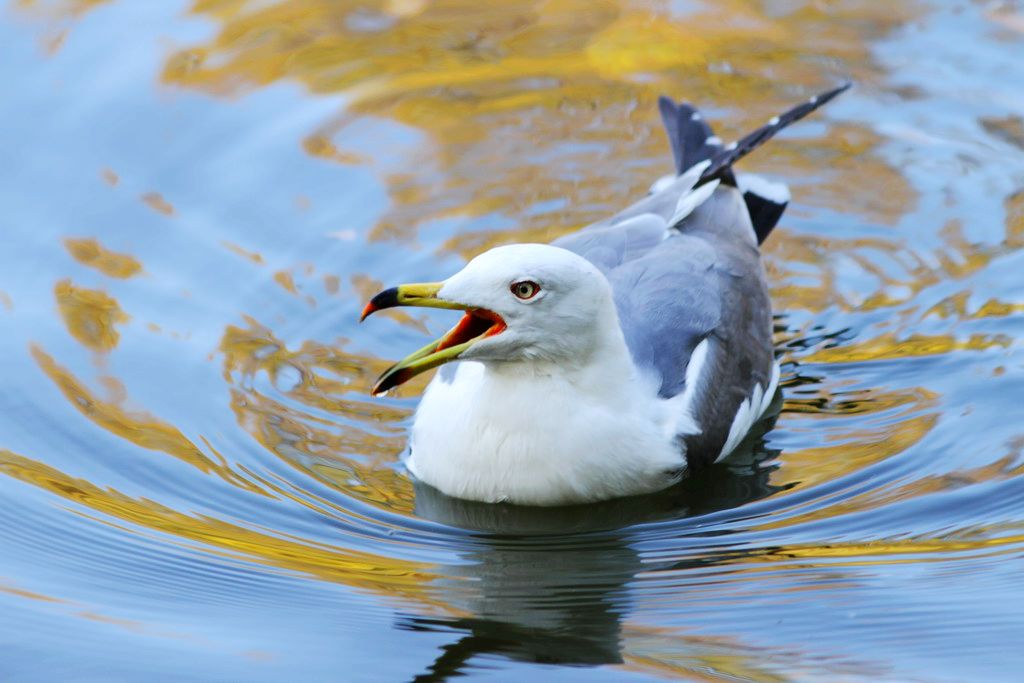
point(860, 448)
point(1010, 129)
point(875, 440)
point(6, 301)
point(90, 315)
point(60, 7)
point(389, 576)
point(89, 252)
point(882, 552)
point(315, 418)
point(141, 429)
point(957, 259)
point(956, 307)
point(1014, 206)
point(253, 256)
point(485, 83)
point(531, 102)
point(1005, 468)
point(28, 595)
point(887, 423)
point(127, 624)
point(888, 346)
point(321, 146)
point(332, 284)
point(156, 201)
point(667, 654)
point(832, 401)
point(116, 392)
point(110, 177)
point(572, 81)
point(286, 281)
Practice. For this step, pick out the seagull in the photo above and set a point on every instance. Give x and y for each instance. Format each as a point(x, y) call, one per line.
point(615, 359)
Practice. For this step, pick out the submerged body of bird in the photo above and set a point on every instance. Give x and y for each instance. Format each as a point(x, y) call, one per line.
point(604, 364)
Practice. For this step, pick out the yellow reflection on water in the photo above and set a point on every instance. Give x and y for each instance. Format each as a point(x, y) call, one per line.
point(679, 656)
point(286, 281)
point(238, 250)
point(89, 252)
point(325, 414)
point(143, 430)
point(27, 594)
point(888, 346)
point(486, 81)
point(387, 575)
point(860, 447)
point(156, 201)
point(60, 7)
point(90, 315)
point(956, 259)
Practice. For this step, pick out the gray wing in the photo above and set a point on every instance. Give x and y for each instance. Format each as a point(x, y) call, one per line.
point(676, 285)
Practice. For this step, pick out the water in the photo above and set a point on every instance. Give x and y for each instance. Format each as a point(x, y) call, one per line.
point(198, 197)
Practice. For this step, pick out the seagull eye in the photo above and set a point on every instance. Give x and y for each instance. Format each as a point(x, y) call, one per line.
point(525, 289)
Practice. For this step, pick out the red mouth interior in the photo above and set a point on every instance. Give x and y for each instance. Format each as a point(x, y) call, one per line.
point(478, 322)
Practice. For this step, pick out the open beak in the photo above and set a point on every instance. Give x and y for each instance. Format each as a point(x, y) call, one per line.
point(476, 324)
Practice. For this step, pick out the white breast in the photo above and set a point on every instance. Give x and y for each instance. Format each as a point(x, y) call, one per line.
point(538, 439)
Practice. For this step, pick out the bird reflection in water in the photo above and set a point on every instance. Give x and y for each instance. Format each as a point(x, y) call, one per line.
point(552, 585)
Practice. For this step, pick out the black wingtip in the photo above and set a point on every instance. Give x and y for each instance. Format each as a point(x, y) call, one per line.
point(723, 161)
point(689, 135)
point(824, 97)
point(670, 119)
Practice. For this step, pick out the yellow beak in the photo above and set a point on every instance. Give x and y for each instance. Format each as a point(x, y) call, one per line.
point(421, 294)
point(475, 325)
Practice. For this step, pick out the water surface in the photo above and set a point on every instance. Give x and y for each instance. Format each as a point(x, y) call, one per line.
point(197, 198)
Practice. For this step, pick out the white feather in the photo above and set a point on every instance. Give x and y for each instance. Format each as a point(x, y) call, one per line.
point(690, 177)
point(690, 201)
point(762, 187)
point(662, 183)
point(750, 411)
point(687, 423)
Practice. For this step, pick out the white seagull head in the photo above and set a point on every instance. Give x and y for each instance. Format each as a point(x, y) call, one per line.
point(523, 302)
